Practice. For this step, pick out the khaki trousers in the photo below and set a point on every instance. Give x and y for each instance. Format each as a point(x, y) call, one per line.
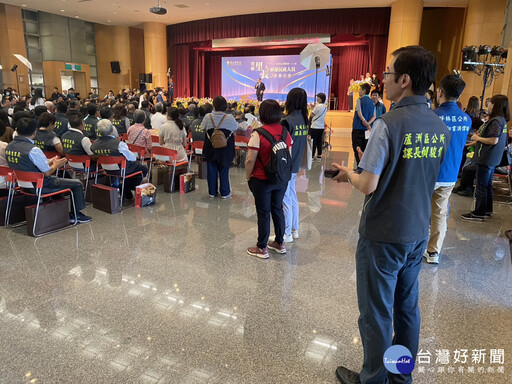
point(438, 224)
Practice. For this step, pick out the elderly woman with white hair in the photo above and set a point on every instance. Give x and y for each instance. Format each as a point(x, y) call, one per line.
point(107, 144)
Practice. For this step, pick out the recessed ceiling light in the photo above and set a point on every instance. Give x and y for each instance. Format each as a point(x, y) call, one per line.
point(108, 21)
point(77, 17)
point(206, 4)
point(181, 6)
point(24, 5)
point(62, 10)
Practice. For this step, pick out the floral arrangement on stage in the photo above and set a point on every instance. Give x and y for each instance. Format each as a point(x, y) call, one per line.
point(355, 87)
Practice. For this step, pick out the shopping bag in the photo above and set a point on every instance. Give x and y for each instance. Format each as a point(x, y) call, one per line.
point(307, 155)
point(145, 194)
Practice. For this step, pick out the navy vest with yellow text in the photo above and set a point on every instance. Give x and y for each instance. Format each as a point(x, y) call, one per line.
point(17, 155)
point(72, 143)
point(298, 130)
point(44, 140)
point(90, 123)
point(61, 124)
point(106, 146)
point(120, 125)
point(398, 211)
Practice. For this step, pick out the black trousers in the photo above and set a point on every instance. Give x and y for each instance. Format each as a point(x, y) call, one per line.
point(317, 135)
point(269, 201)
point(358, 140)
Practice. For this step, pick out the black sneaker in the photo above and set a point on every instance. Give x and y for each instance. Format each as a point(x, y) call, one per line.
point(471, 217)
point(80, 218)
point(465, 192)
point(346, 376)
point(128, 195)
point(488, 215)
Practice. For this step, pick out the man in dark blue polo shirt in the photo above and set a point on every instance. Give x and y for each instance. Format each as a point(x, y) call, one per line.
point(399, 171)
point(364, 116)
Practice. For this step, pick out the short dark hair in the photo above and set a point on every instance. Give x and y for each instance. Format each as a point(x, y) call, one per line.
point(375, 91)
point(220, 104)
point(417, 62)
point(452, 86)
point(500, 107)
point(75, 119)
point(321, 96)
point(182, 111)
point(26, 126)
point(62, 107)
point(40, 109)
point(46, 119)
point(3, 128)
point(92, 108)
point(145, 104)
point(473, 106)
point(270, 112)
point(366, 88)
point(139, 116)
point(106, 113)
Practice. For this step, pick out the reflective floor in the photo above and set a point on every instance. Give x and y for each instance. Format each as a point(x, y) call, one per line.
point(167, 294)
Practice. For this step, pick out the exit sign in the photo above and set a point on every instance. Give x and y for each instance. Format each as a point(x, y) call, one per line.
point(73, 67)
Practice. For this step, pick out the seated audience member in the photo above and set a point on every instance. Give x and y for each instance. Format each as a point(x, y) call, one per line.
point(56, 94)
point(7, 135)
point(37, 112)
point(183, 117)
point(197, 131)
point(244, 129)
point(23, 155)
point(173, 134)
point(158, 119)
point(145, 108)
point(50, 106)
point(119, 119)
point(74, 142)
point(191, 113)
point(90, 122)
point(108, 144)
point(138, 134)
point(107, 113)
point(61, 120)
point(45, 138)
point(129, 115)
point(250, 114)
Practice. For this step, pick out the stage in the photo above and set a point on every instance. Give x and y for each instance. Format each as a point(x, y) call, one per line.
point(339, 121)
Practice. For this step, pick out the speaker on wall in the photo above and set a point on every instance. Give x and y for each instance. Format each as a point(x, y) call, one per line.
point(149, 77)
point(142, 78)
point(114, 65)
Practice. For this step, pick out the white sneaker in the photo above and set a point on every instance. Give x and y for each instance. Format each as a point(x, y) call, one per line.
point(286, 238)
point(431, 257)
point(295, 234)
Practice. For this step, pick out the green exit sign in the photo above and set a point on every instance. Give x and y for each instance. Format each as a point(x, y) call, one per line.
point(73, 67)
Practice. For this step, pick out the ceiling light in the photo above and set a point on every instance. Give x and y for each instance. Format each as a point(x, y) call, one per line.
point(24, 5)
point(77, 17)
point(62, 10)
point(108, 21)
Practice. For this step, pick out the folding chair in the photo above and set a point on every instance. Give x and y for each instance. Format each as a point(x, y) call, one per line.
point(50, 155)
point(167, 157)
point(196, 146)
point(8, 174)
point(27, 180)
point(116, 163)
point(241, 144)
point(124, 137)
point(139, 152)
point(155, 141)
point(81, 164)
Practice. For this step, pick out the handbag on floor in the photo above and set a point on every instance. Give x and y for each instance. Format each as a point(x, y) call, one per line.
point(307, 155)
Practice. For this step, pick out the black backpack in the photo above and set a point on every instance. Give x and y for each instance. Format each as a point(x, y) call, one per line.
point(279, 168)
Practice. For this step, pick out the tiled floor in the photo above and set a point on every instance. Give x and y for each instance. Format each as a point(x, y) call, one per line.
point(167, 294)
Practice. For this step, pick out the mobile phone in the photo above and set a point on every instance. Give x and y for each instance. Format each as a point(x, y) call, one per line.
point(330, 173)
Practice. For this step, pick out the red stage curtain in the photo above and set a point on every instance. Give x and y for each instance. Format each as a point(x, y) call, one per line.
point(181, 77)
point(348, 63)
point(356, 21)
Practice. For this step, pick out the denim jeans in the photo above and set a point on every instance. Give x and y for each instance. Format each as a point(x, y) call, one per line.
point(269, 201)
point(387, 296)
point(54, 184)
point(215, 172)
point(483, 190)
point(291, 207)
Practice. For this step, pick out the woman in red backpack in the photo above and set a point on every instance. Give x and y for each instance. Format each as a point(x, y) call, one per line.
point(268, 196)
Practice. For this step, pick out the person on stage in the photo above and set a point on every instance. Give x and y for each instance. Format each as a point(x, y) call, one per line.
point(260, 88)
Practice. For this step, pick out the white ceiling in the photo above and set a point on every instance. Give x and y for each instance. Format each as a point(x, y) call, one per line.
point(134, 12)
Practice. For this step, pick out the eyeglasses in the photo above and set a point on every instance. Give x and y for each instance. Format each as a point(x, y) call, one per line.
point(384, 74)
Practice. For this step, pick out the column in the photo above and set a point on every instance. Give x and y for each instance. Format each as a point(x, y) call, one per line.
point(404, 24)
point(484, 25)
point(155, 53)
point(12, 41)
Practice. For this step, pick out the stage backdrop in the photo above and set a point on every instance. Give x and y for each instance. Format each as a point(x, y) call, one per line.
point(278, 73)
